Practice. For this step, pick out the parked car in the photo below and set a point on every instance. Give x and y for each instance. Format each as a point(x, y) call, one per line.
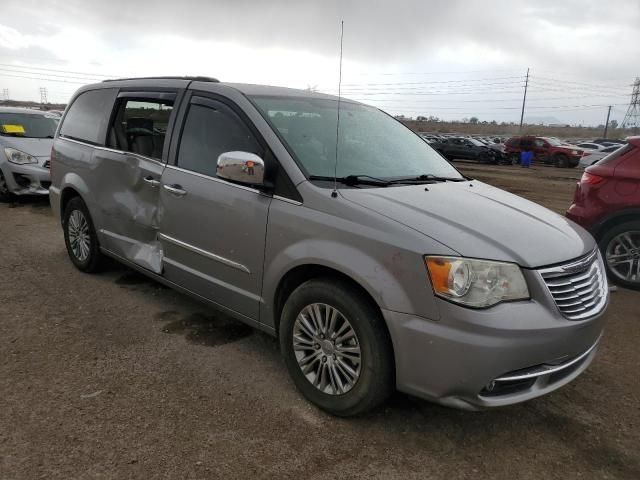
point(399, 272)
point(608, 141)
point(589, 158)
point(589, 146)
point(462, 148)
point(607, 203)
point(26, 137)
point(548, 150)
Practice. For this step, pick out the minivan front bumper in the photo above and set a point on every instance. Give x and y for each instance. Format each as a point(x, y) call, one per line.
point(476, 359)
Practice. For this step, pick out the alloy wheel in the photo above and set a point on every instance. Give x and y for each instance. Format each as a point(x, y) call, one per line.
point(79, 236)
point(327, 349)
point(623, 256)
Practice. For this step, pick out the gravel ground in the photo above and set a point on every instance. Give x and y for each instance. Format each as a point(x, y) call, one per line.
point(113, 376)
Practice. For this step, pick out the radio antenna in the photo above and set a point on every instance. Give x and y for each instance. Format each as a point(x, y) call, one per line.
point(334, 194)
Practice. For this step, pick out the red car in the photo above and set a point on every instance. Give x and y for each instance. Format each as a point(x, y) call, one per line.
point(607, 203)
point(548, 150)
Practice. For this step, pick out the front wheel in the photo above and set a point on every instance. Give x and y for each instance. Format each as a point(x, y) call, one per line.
point(336, 347)
point(620, 247)
point(80, 237)
point(561, 161)
point(5, 194)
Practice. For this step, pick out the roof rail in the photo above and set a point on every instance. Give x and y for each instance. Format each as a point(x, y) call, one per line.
point(193, 79)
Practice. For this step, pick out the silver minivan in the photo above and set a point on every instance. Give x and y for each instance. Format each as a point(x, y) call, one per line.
point(26, 137)
point(335, 228)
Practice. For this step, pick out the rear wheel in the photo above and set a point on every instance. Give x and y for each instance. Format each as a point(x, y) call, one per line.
point(336, 347)
point(5, 194)
point(80, 237)
point(514, 159)
point(620, 247)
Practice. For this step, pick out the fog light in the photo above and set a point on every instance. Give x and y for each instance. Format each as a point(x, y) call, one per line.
point(490, 386)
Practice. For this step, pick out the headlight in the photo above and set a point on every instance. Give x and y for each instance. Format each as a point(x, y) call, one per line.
point(21, 158)
point(476, 283)
point(575, 152)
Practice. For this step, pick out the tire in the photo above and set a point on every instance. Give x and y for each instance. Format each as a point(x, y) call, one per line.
point(77, 224)
point(614, 242)
point(5, 195)
point(561, 161)
point(374, 378)
point(514, 159)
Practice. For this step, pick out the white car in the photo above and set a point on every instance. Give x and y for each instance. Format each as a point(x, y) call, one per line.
point(590, 146)
point(592, 156)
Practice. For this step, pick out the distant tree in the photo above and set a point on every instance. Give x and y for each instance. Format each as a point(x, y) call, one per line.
point(600, 127)
point(421, 118)
point(465, 120)
point(433, 119)
point(493, 122)
point(473, 120)
point(312, 88)
point(613, 124)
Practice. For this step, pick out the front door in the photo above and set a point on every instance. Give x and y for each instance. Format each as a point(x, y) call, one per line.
point(132, 166)
point(213, 231)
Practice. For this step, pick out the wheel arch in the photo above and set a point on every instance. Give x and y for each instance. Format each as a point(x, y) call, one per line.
point(300, 274)
point(610, 221)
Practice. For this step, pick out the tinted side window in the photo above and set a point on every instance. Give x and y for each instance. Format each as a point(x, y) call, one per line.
point(140, 126)
point(88, 116)
point(208, 132)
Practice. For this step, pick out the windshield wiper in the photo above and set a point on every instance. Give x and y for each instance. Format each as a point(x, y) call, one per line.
point(353, 180)
point(427, 178)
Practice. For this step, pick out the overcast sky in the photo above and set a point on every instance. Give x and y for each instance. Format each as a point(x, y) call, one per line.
point(451, 59)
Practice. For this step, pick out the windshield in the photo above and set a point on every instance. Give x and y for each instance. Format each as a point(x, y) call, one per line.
point(371, 142)
point(477, 143)
point(27, 125)
point(553, 141)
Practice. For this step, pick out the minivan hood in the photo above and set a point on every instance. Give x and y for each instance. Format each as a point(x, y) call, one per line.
point(36, 147)
point(480, 221)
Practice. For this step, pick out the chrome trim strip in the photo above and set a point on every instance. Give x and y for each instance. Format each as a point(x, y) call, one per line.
point(550, 370)
point(112, 150)
point(288, 200)
point(204, 253)
point(215, 179)
point(567, 268)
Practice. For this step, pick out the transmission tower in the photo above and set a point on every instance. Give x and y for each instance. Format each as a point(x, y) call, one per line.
point(43, 95)
point(632, 117)
point(5, 94)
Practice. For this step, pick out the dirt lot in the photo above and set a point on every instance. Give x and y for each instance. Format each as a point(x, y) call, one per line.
point(113, 376)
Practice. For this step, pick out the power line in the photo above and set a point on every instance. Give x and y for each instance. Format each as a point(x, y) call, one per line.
point(41, 78)
point(58, 71)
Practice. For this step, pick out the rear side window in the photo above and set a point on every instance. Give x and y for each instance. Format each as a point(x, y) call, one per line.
point(209, 131)
point(88, 116)
point(617, 154)
point(140, 126)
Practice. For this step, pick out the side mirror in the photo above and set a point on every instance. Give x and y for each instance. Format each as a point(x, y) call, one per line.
point(241, 167)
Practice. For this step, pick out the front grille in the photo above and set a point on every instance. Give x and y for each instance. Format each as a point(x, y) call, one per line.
point(47, 164)
point(579, 288)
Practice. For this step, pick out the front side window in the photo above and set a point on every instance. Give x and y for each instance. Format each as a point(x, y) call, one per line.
point(370, 142)
point(88, 116)
point(140, 126)
point(28, 125)
point(209, 131)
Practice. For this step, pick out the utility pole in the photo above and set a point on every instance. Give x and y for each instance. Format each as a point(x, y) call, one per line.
point(606, 124)
point(524, 99)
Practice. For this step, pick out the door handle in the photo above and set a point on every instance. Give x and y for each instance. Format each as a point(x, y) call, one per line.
point(152, 181)
point(175, 190)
